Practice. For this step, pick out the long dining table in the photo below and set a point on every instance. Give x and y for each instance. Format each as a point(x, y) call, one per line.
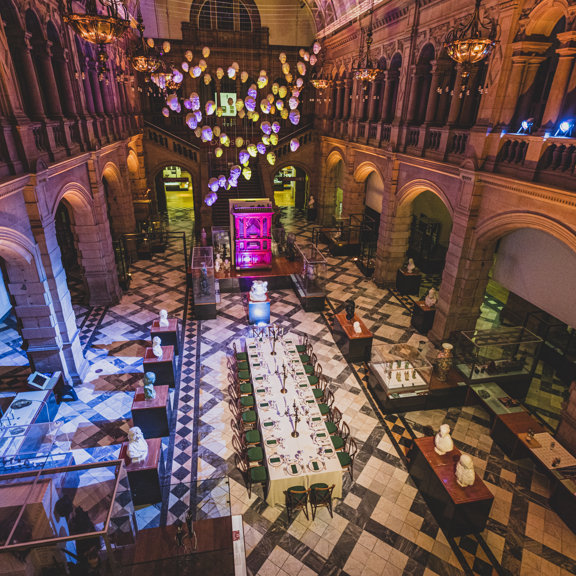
point(281, 389)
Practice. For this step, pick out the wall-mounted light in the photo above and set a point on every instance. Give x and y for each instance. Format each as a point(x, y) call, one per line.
point(526, 126)
point(565, 128)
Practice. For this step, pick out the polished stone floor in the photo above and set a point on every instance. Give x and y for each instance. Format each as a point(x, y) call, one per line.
point(382, 525)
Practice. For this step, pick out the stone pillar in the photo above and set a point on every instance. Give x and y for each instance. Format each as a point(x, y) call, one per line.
point(385, 104)
point(373, 101)
point(90, 107)
point(339, 99)
point(95, 89)
point(559, 86)
point(456, 101)
point(347, 99)
point(414, 94)
point(514, 84)
point(433, 94)
point(61, 63)
point(30, 84)
point(566, 432)
point(530, 71)
point(43, 61)
point(354, 195)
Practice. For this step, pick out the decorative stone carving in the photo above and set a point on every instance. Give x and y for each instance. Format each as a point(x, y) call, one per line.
point(465, 474)
point(149, 381)
point(137, 447)
point(157, 347)
point(163, 318)
point(443, 441)
point(259, 291)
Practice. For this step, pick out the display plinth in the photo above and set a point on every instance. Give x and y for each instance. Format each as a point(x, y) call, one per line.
point(458, 510)
point(167, 334)
point(259, 312)
point(507, 429)
point(408, 282)
point(203, 282)
point(354, 346)
point(151, 416)
point(144, 477)
point(164, 368)
point(422, 317)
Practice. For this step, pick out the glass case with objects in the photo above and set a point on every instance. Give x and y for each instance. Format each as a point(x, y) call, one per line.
point(499, 354)
point(203, 283)
point(221, 241)
point(311, 280)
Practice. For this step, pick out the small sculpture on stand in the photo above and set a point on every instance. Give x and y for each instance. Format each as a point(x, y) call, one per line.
point(149, 381)
point(204, 288)
point(410, 267)
point(218, 262)
point(190, 526)
point(443, 441)
point(357, 327)
point(226, 263)
point(259, 291)
point(350, 309)
point(137, 447)
point(431, 298)
point(157, 347)
point(163, 321)
point(465, 474)
point(444, 361)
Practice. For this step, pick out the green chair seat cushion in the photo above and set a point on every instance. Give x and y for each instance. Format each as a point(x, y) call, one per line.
point(253, 437)
point(247, 401)
point(301, 348)
point(309, 369)
point(318, 394)
point(313, 380)
point(337, 442)
point(324, 409)
point(318, 485)
point(344, 458)
point(244, 375)
point(249, 416)
point(246, 388)
point(297, 488)
point(258, 474)
point(242, 356)
point(331, 427)
point(304, 358)
point(255, 454)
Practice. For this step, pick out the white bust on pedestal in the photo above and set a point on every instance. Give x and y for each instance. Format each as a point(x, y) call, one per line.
point(259, 291)
point(157, 347)
point(137, 446)
point(410, 267)
point(357, 327)
point(163, 319)
point(443, 441)
point(431, 298)
point(465, 474)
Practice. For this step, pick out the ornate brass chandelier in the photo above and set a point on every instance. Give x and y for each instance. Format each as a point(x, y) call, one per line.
point(366, 71)
point(144, 59)
point(320, 83)
point(472, 41)
point(104, 22)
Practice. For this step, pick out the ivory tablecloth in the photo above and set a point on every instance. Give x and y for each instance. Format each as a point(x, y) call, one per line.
point(306, 452)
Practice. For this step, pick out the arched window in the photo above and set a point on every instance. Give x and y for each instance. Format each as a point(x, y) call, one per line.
point(228, 15)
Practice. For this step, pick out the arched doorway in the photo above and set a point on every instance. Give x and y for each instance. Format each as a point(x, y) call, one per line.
point(175, 194)
point(429, 237)
point(291, 187)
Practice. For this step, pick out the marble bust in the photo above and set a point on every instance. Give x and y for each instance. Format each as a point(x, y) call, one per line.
point(163, 318)
point(149, 381)
point(410, 267)
point(157, 347)
point(137, 446)
point(259, 291)
point(443, 441)
point(465, 474)
point(431, 298)
point(357, 327)
point(218, 262)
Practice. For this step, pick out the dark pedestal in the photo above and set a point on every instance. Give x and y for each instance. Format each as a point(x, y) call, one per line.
point(144, 477)
point(354, 347)
point(164, 368)
point(458, 510)
point(408, 282)
point(311, 301)
point(506, 430)
point(259, 312)
point(422, 317)
point(563, 501)
point(311, 214)
point(151, 416)
point(168, 334)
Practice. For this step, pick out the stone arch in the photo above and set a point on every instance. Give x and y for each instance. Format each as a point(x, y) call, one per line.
point(301, 200)
point(192, 169)
point(364, 170)
point(132, 163)
point(116, 196)
point(79, 200)
point(408, 193)
point(328, 192)
point(544, 17)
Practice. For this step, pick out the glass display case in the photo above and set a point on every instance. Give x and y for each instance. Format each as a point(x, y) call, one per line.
point(499, 354)
point(221, 241)
point(399, 375)
point(311, 280)
point(203, 283)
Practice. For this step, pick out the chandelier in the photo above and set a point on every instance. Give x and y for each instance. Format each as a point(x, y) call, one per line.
point(99, 25)
point(472, 41)
point(143, 58)
point(320, 83)
point(366, 71)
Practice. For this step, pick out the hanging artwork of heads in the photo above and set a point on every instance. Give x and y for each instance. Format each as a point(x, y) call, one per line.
point(263, 108)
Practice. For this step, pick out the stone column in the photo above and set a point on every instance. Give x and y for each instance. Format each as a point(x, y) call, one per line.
point(433, 94)
point(339, 100)
point(456, 101)
point(95, 89)
point(559, 86)
point(385, 104)
point(414, 95)
point(530, 71)
point(43, 62)
point(373, 101)
point(347, 99)
point(514, 85)
point(61, 62)
point(30, 84)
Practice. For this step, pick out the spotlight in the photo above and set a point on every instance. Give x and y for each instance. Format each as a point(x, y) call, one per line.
point(526, 126)
point(565, 128)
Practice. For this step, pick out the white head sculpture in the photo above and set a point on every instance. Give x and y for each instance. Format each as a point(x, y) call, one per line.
point(137, 446)
point(410, 267)
point(431, 298)
point(443, 441)
point(357, 327)
point(163, 318)
point(157, 347)
point(259, 290)
point(149, 381)
point(465, 474)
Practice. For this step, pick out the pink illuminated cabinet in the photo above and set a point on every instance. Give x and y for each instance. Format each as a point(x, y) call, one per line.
point(251, 225)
